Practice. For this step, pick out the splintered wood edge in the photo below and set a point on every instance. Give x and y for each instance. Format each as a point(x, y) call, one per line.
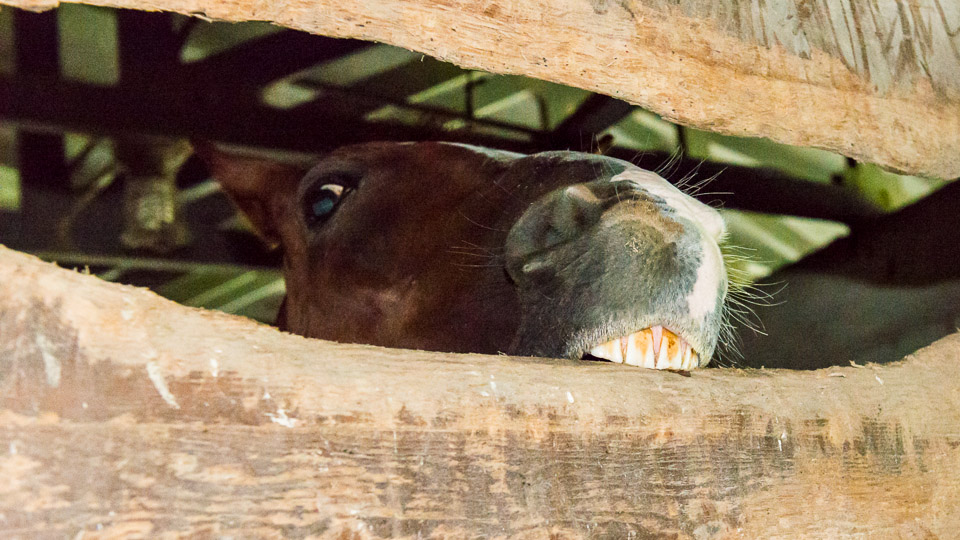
point(104, 385)
point(659, 58)
point(63, 312)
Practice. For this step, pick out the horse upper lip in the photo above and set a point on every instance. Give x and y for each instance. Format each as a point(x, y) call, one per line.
point(655, 347)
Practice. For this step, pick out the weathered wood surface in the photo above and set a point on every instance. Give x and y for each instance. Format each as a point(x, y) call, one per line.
point(876, 80)
point(123, 414)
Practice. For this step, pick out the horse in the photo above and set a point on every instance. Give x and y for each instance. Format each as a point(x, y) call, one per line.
point(876, 295)
point(457, 248)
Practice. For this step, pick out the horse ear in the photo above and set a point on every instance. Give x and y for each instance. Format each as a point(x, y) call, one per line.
point(258, 186)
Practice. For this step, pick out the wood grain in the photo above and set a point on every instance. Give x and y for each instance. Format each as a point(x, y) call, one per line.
point(123, 414)
point(875, 80)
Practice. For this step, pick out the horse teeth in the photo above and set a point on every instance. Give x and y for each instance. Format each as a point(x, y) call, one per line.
point(645, 356)
point(654, 347)
point(608, 351)
point(686, 357)
point(663, 361)
point(657, 333)
point(629, 348)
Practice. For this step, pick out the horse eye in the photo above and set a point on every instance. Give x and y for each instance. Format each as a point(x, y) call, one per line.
point(319, 204)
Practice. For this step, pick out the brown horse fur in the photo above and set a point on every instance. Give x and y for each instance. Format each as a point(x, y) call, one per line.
point(456, 248)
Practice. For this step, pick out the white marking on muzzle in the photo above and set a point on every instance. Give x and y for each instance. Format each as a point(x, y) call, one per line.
point(702, 300)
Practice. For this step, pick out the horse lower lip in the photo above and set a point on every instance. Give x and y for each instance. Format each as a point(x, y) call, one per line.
point(654, 347)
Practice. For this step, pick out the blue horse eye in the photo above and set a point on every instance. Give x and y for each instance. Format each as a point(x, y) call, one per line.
point(323, 207)
point(320, 203)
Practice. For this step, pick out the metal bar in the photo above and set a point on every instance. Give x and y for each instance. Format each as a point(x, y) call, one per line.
point(595, 115)
point(266, 59)
point(40, 155)
point(365, 101)
point(222, 113)
point(148, 47)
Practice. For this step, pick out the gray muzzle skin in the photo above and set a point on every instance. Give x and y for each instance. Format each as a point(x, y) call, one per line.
point(603, 260)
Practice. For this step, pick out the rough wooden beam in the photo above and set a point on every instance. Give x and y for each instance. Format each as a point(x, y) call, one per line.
point(124, 414)
point(598, 113)
point(875, 80)
point(148, 47)
point(41, 156)
point(916, 245)
point(212, 111)
point(753, 188)
point(392, 87)
point(892, 285)
point(268, 58)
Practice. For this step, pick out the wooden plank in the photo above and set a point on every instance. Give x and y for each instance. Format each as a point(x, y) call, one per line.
point(178, 108)
point(41, 156)
point(875, 80)
point(916, 245)
point(122, 413)
point(890, 286)
point(596, 114)
point(211, 112)
point(271, 57)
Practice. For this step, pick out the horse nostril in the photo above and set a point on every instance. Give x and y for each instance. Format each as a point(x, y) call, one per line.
point(557, 218)
point(575, 210)
point(535, 267)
